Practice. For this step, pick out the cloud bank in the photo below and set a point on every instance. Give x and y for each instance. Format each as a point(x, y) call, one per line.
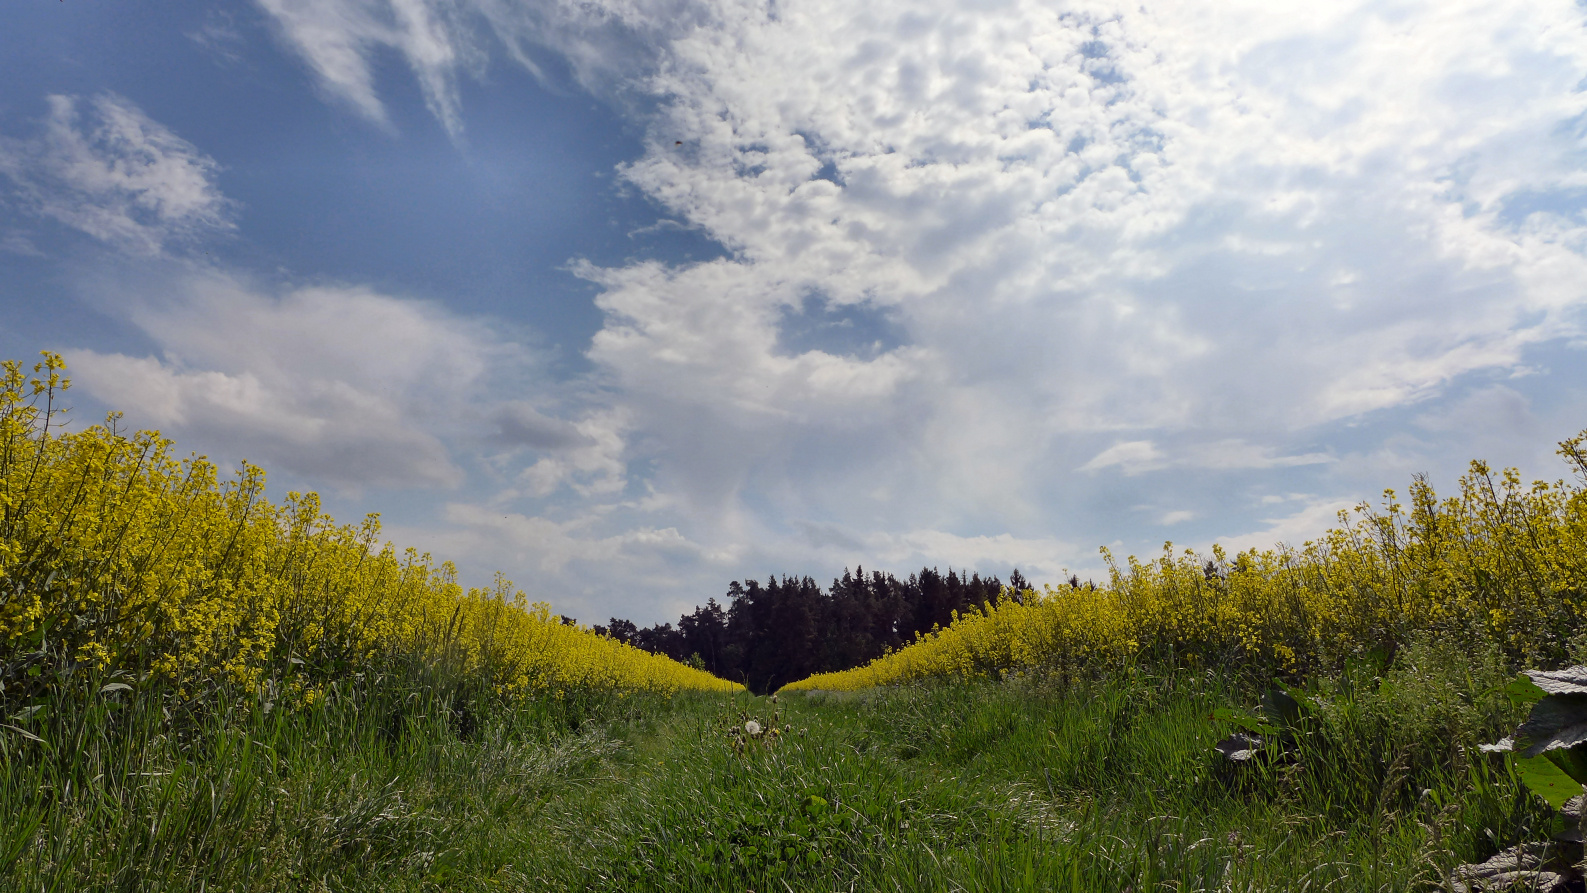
point(1118, 269)
point(336, 384)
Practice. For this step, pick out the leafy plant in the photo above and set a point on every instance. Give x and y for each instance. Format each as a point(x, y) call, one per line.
point(1276, 722)
point(1551, 745)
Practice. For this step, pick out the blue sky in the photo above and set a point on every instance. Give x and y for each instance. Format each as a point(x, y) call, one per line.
point(631, 298)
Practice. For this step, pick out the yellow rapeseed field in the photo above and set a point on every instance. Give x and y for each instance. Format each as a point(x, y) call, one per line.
point(118, 561)
point(1500, 563)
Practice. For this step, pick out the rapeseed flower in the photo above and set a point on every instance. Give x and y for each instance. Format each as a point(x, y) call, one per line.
point(118, 556)
point(1499, 560)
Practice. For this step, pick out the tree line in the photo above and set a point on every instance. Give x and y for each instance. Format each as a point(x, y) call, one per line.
point(772, 634)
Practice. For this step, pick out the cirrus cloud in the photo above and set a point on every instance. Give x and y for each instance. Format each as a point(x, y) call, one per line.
point(105, 168)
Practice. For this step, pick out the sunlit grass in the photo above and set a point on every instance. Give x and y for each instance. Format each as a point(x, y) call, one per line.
point(1103, 785)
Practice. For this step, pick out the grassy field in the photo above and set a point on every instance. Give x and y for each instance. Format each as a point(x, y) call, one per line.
point(1101, 784)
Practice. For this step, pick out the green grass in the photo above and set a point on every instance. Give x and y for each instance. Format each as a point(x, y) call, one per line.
point(1025, 784)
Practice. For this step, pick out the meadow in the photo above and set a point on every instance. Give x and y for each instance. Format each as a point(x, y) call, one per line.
point(204, 689)
point(1019, 784)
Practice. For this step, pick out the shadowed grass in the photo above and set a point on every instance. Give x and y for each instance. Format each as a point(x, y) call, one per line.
point(385, 790)
point(1099, 784)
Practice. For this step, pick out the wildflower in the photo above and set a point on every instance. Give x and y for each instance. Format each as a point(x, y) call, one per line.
point(752, 728)
point(223, 580)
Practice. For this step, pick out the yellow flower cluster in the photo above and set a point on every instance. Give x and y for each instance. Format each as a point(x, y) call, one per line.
point(117, 558)
point(1500, 562)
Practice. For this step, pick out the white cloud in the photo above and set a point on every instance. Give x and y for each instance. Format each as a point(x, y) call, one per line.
point(338, 40)
point(593, 462)
point(1226, 218)
point(339, 384)
point(588, 565)
point(1039, 556)
point(328, 430)
point(20, 243)
point(1135, 457)
point(1214, 237)
point(1131, 456)
point(1293, 530)
point(693, 354)
point(219, 36)
point(104, 167)
point(519, 424)
point(1106, 220)
point(1484, 410)
point(551, 545)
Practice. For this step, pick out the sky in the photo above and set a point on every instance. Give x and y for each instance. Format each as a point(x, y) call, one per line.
point(628, 299)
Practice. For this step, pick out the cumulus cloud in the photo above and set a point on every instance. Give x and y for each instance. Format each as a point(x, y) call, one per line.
point(329, 431)
point(1109, 238)
point(340, 384)
point(518, 423)
point(592, 461)
point(551, 545)
point(104, 167)
point(1061, 177)
point(588, 563)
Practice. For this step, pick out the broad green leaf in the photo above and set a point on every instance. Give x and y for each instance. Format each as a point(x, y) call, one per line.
point(1243, 720)
point(1523, 691)
point(1557, 721)
point(1547, 780)
point(1280, 706)
point(1573, 760)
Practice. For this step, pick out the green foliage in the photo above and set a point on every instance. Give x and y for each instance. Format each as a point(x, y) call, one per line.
point(1018, 785)
point(1552, 741)
point(371, 788)
point(1545, 777)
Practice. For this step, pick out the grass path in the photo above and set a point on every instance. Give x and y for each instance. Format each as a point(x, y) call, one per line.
point(987, 787)
point(1104, 786)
